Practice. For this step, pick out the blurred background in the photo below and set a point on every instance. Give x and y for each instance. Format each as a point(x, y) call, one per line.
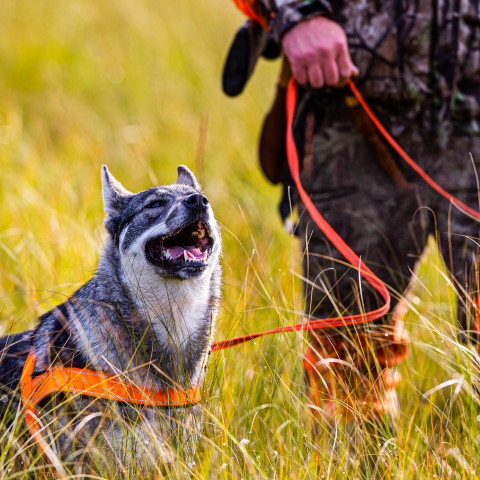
point(137, 85)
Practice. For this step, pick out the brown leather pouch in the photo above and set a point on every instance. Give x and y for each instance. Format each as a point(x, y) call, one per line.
point(272, 139)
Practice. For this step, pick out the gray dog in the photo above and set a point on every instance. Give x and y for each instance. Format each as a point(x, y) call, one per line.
point(148, 315)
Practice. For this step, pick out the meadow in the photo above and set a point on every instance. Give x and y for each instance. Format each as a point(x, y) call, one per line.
point(136, 85)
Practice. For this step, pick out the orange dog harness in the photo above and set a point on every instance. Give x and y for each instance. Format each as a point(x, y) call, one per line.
point(94, 384)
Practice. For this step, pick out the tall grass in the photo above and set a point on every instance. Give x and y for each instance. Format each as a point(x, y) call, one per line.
point(136, 85)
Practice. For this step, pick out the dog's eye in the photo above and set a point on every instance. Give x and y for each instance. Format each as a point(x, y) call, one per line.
point(156, 204)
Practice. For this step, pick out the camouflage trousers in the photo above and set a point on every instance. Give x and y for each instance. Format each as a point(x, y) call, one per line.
point(387, 225)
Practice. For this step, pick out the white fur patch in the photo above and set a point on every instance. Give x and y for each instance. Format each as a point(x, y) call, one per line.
point(175, 307)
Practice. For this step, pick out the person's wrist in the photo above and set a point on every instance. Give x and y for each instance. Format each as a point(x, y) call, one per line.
point(292, 13)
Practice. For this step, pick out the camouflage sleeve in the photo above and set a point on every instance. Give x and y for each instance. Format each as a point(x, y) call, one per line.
point(279, 16)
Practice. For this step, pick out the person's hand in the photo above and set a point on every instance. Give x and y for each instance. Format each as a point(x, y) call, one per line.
point(317, 50)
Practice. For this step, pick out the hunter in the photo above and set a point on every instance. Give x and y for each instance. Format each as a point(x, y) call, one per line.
point(417, 64)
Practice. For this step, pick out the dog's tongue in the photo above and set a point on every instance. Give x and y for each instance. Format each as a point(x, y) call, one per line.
point(192, 252)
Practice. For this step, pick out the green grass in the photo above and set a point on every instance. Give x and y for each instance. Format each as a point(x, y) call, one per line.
point(136, 85)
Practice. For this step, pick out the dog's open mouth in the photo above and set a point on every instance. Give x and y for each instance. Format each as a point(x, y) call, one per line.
point(188, 248)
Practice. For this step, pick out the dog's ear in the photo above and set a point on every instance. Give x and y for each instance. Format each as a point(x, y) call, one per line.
point(114, 194)
point(186, 177)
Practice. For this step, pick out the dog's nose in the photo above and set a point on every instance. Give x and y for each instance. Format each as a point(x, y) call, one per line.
point(197, 201)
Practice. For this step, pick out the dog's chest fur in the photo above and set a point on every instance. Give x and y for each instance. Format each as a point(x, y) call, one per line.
point(178, 311)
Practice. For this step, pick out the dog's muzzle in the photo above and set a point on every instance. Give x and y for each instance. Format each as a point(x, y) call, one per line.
point(189, 248)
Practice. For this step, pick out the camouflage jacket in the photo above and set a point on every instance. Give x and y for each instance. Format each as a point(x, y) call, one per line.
point(420, 56)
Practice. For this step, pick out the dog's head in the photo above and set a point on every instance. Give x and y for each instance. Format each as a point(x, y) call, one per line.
point(167, 231)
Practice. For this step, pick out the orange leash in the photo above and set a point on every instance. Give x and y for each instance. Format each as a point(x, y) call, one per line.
point(333, 236)
point(337, 241)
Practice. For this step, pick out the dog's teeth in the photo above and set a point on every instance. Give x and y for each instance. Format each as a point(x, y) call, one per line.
point(201, 230)
point(185, 256)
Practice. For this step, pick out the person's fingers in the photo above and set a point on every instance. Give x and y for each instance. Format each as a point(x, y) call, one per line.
point(346, 68)
point(315, 75)
point(299, 71)
point(330, 71)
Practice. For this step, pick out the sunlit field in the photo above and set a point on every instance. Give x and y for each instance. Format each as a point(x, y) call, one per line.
point(136, 85)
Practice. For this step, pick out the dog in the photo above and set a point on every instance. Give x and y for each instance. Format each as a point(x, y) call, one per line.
point(148, 315)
